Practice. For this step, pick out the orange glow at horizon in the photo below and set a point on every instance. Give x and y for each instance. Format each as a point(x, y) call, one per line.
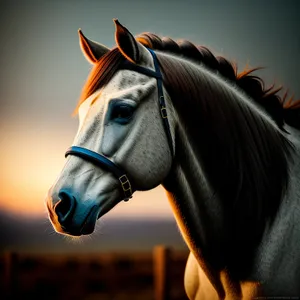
point(28, 167)
point(31, 159)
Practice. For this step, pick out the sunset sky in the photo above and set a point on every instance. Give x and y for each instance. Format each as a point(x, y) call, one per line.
point(43, 70)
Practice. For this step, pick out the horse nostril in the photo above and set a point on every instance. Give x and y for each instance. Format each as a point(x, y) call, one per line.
point(65, 207)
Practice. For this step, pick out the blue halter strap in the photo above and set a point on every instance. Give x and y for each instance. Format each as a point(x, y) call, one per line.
point(102, 161)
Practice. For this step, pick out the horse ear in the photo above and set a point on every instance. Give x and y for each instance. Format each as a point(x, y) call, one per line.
point(92, 51)
point(128, 46)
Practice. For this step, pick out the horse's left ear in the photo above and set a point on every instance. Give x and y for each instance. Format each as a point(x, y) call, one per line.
point(129, 47)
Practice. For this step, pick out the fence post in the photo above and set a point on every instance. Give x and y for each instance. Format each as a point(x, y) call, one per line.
point(161, 264)
point(10, 275)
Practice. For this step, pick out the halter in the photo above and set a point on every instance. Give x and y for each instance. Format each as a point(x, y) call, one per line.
point(102, 161)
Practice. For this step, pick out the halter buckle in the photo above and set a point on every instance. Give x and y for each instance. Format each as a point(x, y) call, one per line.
point(125, 183)
point(163, 111)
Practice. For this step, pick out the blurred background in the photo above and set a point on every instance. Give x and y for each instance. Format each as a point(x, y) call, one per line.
point(42, 72)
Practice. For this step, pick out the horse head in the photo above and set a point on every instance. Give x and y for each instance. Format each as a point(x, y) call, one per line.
point(124, 140)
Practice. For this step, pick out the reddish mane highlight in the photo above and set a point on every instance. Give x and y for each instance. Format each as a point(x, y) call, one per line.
point(101, 74)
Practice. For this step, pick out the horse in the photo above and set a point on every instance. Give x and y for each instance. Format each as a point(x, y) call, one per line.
point(225, 148)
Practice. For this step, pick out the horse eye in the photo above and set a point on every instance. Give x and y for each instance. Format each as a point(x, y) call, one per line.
point(122, 112)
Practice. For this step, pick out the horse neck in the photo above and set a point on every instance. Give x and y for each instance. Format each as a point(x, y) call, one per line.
point(280, 245)
point(196, 209)
point(219, 233)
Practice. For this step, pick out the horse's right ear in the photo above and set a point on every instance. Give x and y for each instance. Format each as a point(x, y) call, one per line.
point(92, 51)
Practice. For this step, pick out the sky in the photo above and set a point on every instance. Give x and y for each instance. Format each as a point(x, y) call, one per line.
point(43, 70)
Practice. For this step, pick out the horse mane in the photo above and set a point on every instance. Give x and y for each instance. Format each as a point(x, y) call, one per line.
point(243, 154)
point(281, 109)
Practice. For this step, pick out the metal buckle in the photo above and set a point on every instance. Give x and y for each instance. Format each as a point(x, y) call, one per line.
point(163, 111)
point(125, 183)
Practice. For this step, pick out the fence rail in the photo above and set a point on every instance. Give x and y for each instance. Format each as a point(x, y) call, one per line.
point(154, 276)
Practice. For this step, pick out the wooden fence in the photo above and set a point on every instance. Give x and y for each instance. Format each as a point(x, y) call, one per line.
point(114, 276)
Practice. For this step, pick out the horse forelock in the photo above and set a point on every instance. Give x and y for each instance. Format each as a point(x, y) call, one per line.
point(101, 73)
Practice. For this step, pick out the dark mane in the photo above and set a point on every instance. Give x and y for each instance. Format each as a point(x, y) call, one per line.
point(246, 165)
point(280, 109)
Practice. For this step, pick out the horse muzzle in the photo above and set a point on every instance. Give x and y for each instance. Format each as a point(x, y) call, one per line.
point(65, 217)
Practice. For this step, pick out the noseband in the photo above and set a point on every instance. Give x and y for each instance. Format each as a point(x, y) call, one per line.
point(102, 161)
